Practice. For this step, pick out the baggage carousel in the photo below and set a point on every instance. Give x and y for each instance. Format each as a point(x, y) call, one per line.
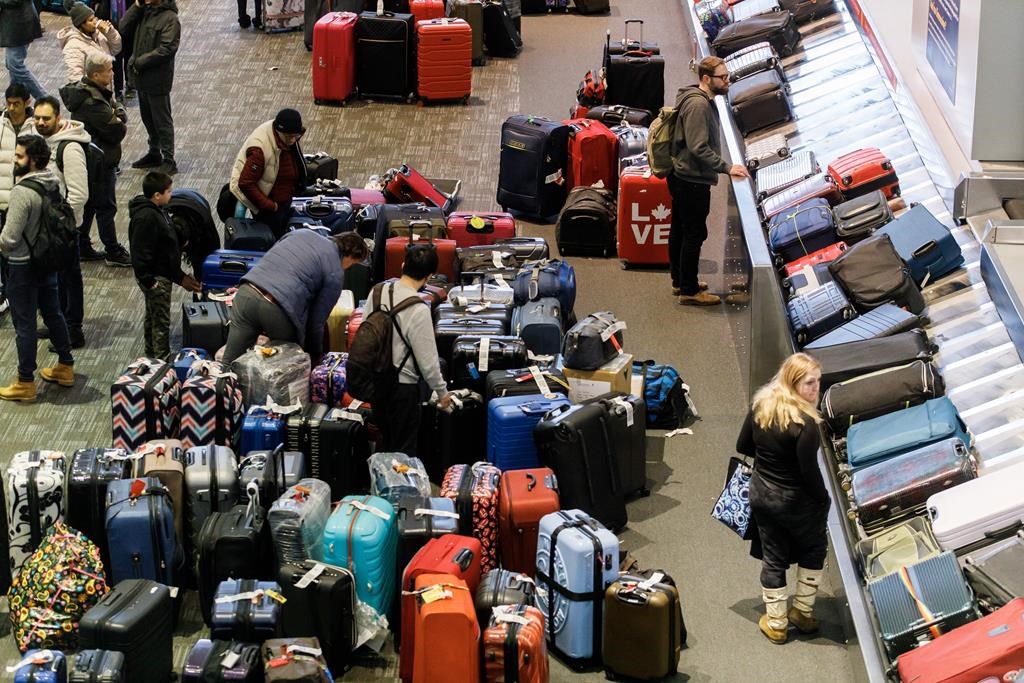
point(846, 94)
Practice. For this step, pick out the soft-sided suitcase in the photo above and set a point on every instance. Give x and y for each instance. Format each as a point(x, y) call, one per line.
point(777, 28)
point(396, 247)
point(88, 474)
point(165, 460)
point(752, 8)
point(97, 666)
point(335, 444)
point(858, 218)
point(843, 361)
point(405, 185)
point(872, 273)
point(635, 79)
point(327, 380)
point(500, 587)
point(526, 496)
point(512, 253)
point(206, 661)
point(510, 424)
point(297, 520)
point(979, 511)
point(826, 255)
point(41, 666)
point(880, 392)
point(521, 381)
point(753, 59)
point(617, 115)
point(807, 280)
point(211, 485)
point(625, 421)
point(883, 437)
point(905, 543)
point(140, 531)
point(577, 559)
point(361, 536)
point(473, 357)
point(185, 358)
point(501, 37)
point(475, 489)
point(472, 12)
point(772, 149)
point(994, 572)
point(295, 660)
point(204, 324)
point(136, 617)
point(262, 430)
point(211, 406)
point(586, 224)
point(225, 268)
point(593, 341)
point(144, 403)
point(644, 629)
point(921, 602)
point(540, 279)
point(539, 324)
point(444, 57)
point(899, 487)
point(818, 312)
point(447, 633)
point(471, 228)
point(283, 15)
point(230, 545)
point(644, 221)
point(795, 168)
point(808, 10)
point(532, 165)
point(515, 646)
point(246, 610)
point(927, 246)
point(759, 101)
point(820, 185)
point(573, 441)
point(246, 234)
point(320, 602)
point(384, 61)
point(802, 230)
point(863, 171)
point(593, 154)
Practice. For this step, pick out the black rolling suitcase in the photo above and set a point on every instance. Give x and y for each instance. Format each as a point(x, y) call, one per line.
point(819, 311)
point(635, 78)
point(231, 545)
point(87, 476)
point(615, 114)
point(886, 320)
point(885, 391)
point(587, 223)
point(523, 382)
point(872, 273)
point(204, 325)
point(501, 37)
point(858, 218)
point(777, 28)
point(808, 10)
point(532, 165)
point(845, 361)
point(759, 101)
point(573, 442)
point(626, 421)
point(473, 357)
point(447, 330)
point(385, 66)
point(335, 445)
point(320, 602)
point(136, 617)
point(455, 437)
point(97, 666)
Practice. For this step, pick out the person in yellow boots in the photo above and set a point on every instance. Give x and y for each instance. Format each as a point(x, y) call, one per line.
point(788, 498)
point(37, 215)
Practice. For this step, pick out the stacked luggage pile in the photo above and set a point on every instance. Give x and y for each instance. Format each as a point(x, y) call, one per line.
point(940, 545)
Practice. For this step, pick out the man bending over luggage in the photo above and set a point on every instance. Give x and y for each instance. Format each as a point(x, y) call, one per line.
point(289, 294)
point(268, 168)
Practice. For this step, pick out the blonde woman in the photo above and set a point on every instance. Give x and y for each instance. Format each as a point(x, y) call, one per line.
point(787, 495)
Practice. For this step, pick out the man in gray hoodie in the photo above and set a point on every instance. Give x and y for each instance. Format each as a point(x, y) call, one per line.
point(29, 289)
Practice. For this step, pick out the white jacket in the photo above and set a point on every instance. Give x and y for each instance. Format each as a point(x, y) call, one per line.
point(74, 180)
point(8, 136)
point(77, 44)
point(264, 138)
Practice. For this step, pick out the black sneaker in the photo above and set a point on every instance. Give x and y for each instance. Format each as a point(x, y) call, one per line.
point(168, 167)
point(76, 343)
point(151, 160)
point(244, 21)
point(86, 252)
point(118, 258)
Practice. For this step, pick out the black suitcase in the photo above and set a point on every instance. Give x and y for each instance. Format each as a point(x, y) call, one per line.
point(335, 446)
point(231, 545)
point(808, 10)
point(590, 7)
point(574, 443)
point(858, 218)
point(385, 66)
point(593, 341)
point(471, 362)
point(777, 28)
point(455, 437)
point(320, 602)
point(136, 617)
point(204, 325)
point(845, 361)
point(626, 422)
point(635, 79)
point(872, 273)
point(885, 391)
point(522, 382)
point(246, 234)
point(513, 252)
point(819, 311)
point(447, 330)
point(754, 59)
point(886, 320)
point(85, 508)
point(531, 172)
point(615, 114)
point(501, 37)
point(759, 101)
point(97, 666)
point(502, 587)
point(587, 223)
point(320, 165)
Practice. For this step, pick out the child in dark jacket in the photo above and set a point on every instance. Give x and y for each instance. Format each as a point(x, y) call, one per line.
point(156, 259)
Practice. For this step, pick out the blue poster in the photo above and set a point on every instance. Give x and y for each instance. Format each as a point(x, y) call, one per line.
point(941, 46)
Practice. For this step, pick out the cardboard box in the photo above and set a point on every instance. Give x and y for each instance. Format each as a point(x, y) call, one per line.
point(637, 385)
point(617, 375)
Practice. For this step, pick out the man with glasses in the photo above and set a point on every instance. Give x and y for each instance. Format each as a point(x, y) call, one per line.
point(269, 168)
point(698, 162)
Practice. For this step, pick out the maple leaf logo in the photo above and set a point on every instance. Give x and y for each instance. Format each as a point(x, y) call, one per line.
point(660, 212)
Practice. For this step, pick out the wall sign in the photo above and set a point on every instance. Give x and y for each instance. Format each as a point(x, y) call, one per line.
point(941, 45)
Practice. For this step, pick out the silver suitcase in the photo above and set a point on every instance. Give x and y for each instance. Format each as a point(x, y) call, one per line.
point(751, 8)
point(632, 140)
point(211, 485)
point(767, 151)
point(297, 520)
point(788, 172)
point(753, 60)
point(977, 512)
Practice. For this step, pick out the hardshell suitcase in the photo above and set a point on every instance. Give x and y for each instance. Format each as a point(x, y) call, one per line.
point(327, 380)
point(880, 392)
point(843, 361)
point(470, 228)
point(230, 545)
point(802, 230)
point(335, 444)
point(447, 330)
point(294, 660)
point(320, 602)
point(863, 171)
point(826, 255)
point(818, 312)
point(858, 218)
point(165, 460)
point(539, 324)
point(532, 165)
point(418, 520)
point(644, 221)
point(752, 8)
point(140, 532)
point(475, 489)
point(883, 437)
point(396, 247)
point(777, 28)
point(336, 214)
point(225, 268)
point(97, 666)
point(547, 278)
point(501, 37)
point(510, 425)
point(425, 10)
point(500, 587)
point(206, 661)
point(577, 559)
point(644, 630)
point(626, 425)
point(523, 381)
point(444, 55)
point(278, 372)
point(211, 485)
point(873, 273)
point(586, 224)
point(137, 618)
point(593, 154)
point(458, 436)
point(807, 280)
point(361, 536)
point(886, 320)
point(88, 473)
point(447, 633)
point(772, 149)
point(396, 475)
point(921, 602)
point(144, 403)
point(41, 666)
point(472, 12)
point(526, 496)
point(473, 357)
point(776, 177)
point(515, 648)
point(994, 573)
point(754, 59)
point(808, 10)
point(247, 234)
point(759, 101)
point(211, 406)
point(297, 520)
point(185, 358)
point(384, 61)
point(979, 511)
point(204, 324)
point(820, 185)
point(405, 185)
point(246, 610)
point(899, 487)
point(273, 472)
point(927, 246)
point(632, 140)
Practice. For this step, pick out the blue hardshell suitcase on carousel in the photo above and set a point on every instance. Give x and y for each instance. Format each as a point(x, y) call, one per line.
point(883, 437)
point(927, 246)
point(510, 424)
point(140, 531)
point(365, 527)
point(818, 312)
point(236, 616)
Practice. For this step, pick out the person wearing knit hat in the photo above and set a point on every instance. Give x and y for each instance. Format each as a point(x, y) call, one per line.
point(269, 168)
point(86, 34)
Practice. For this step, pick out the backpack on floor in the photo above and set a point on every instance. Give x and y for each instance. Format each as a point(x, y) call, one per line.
point(667, 397)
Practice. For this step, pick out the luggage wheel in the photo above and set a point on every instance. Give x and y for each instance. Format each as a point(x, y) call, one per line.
point(644, 493)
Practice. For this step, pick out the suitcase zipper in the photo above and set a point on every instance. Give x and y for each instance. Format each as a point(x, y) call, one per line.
point(32, 491)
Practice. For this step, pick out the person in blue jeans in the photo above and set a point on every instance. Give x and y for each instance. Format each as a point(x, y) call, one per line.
point(29, 289)
point(19, 26)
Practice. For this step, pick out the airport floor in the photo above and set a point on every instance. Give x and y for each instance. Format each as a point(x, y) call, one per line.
point(228, 80)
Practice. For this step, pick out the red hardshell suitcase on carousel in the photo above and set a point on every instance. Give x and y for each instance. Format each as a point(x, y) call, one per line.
point(447, 632)
point(334, 57)
point(471, 229)
point(526, 496)
point(593, 154)
point(395, 247)
point(425, 10)
point(645, 217)
point(829, 253)
point(405, 185)
point(863, 171)
point(444, 59)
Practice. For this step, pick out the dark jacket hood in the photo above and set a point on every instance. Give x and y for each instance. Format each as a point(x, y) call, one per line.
point(170, 5)
point(689, 91)
point(140, 203)
point(75, 95)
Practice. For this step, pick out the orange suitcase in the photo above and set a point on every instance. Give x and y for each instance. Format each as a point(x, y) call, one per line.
point(394, 256)
point(447, 633)
point(444, 59)
point(514, 646)
point(425, 10)
point(863, 171)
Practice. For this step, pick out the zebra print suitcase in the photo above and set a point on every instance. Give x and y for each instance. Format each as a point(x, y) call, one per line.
point(211, 406)
point(144, 404)
point(35, 501)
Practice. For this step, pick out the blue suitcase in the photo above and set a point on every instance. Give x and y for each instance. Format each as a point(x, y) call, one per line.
point(262, 430)
point(184, 359)
point(334, 213)
point(225, 268)
point(883, 437)
point(540, 324)
point(140, 531)
point(42, 666)
point(396, 475)
point(246, 610)
point(927, 245)
point(208, 660)
point(510, 424)
point(820, 311)
point(884, 321)
point(361, 536)
point(247, 234)
point(801, 230)
point(573, 550)
point(543, 279)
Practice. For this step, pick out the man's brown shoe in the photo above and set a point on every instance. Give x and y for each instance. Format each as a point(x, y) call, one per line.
point(701, 286)
point(700, 299)
point(63, 375)
point(19, 391)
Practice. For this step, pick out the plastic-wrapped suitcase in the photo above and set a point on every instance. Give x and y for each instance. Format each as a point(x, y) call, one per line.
point(472, 12)
point(144, 403)
point(327, 380)
point(644, 629)
point(593, 154)
point(539, 324)
point(97, 666)
point(977, 512)
point(935, 588)
point(526, 496)
point(826, 255)
point(644, 221)
point(361, 536)
point(515, 647)
point(818, 312)
point(858, 218)
point(753, 59)
point(297, 520)
point(141, 538)
point(395, 475)
point(873, 273)
point(926, 245)
point(273, 472)
point(626, 427)
point(473, 357)
point(233, 544)
point(772, 149)
point(843, 361)
point(447, 633)
point(206, 662)
point(406, 185)
point(904, 430)
point(820, 185)
point(320, 602)
point(88, 473)
point(577, 559)
point(791, 170)
point(246, 610)
point(886, 320)
point(880, 392)
point(573, 441)
point(185, 358)
point(475, 489)
point(334, 57)
point(586, 224)
point(41, 666)
point(994, 572)
point(335, 444)
point(500, 587)
point(211, 485)
point(807, 280)
point(444, 55)
point(510, 425)
point(385, 66)
point(457, 436)
point(864, 170)
point(532, 166)
point(905, 543)
point(290, 660)
point(34, 499)
point(204, 324)
point(801, 230)
point(137, 618)
point(759, 101)
point(280, 371)
point(283, 15)
point(225, 268)
point(211, 406)
point(470, 228)
point(501, 37)
point(777, 28)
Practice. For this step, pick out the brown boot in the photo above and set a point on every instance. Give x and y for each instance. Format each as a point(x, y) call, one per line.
point(19, 391)
point(801, 614)
point(774, 624)
point(700, 299)
point(60, 373)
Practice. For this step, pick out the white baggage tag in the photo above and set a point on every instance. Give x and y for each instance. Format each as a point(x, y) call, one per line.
point(485, 354)
point(629, 409)
point(542, 384)
point(40, 657)
point(676, 432)
point(303, 650)
point(229, 660)
point(354, 405)
point(359, 505)
point(647, 585)
point(477, 308)
point(271, 406)
point(239, 597)
point(555, 177)
point(500, 280)
point(460, 301)
point(419, 512)
point(345, 414)
point(311, 576)
point(617, 326)
point(497, 259)
point(503, 614)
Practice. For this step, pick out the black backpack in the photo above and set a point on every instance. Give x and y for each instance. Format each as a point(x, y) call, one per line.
point(94, 164)
point(370, 369)
point(56, 242)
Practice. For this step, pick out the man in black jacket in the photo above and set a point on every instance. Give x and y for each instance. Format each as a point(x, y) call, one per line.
point(156, 258)
point(156, 33)
point(91, 101)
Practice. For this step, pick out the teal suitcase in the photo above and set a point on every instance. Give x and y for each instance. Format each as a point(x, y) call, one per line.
point(362, 536)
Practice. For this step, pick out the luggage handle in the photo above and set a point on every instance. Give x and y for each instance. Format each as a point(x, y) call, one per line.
point(488, 224)
point(625, 32)
point(925, 248)
point(233, 266)
point(463, 558)
point(413, 224)
point(1006, 531)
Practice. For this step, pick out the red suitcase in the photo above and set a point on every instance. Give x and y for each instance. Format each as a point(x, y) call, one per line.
point(458, 556)
point(526, 496)
point(447, 632)
point(444, 59)
point(645, 217)
point(354, 321)
point(516, 631)
point(989, 649)
point(816, 186)
point(471, 229)
point(475, 489)
point(395, 247)
point(425, 10)
point(863, 171)
point(593, 154)
point(334, 57)
point(404, 185)
point(829, 253)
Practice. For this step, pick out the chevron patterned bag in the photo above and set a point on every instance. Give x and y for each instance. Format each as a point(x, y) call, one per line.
point(144, 404)
point(211, 406)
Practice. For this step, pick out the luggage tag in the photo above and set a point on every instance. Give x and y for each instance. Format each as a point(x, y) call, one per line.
point(504, 614)
point(229, 660)
point(359, 505)
point(312, 575)
point(345, 414)
point(404, 468)
point(485, 354)
point(41, 657)
point(618, 400)
point(542, 384)
point(420, 512)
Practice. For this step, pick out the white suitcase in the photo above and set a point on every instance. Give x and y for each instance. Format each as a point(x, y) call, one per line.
point(35, 501)
point(752, 8)
point(808, 279)
point(767, 151)
point(788, 172)
point(979, 510)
